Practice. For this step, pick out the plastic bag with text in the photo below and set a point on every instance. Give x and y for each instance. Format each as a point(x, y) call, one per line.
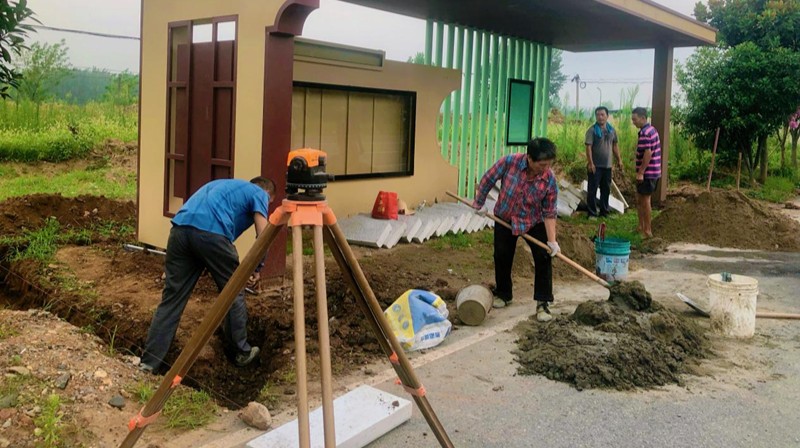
point(419, 319)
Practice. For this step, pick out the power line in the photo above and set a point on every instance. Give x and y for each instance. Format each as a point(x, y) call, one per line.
point(88, 33)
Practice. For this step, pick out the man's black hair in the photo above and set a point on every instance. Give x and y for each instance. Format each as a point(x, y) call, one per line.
point(640, 111)
point(604, 108)
point(266, 184)
point(541, 149)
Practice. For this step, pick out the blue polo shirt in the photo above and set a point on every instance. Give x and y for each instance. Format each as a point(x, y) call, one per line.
point(224, 207)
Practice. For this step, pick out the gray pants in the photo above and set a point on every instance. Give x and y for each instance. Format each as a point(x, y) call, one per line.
point(189, 252)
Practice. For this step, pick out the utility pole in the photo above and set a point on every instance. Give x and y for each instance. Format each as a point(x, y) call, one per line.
point(601, 95)
point(578, 86)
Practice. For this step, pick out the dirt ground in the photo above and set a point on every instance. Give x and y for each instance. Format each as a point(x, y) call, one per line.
point(105, 290)
point(723, 218)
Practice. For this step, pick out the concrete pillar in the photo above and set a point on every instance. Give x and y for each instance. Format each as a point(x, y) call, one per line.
point(277, 124)
point(660, 116)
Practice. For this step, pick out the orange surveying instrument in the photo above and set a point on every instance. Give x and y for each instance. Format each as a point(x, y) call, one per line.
point(305, 205)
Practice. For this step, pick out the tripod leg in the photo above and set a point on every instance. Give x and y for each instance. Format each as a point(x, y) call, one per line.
point(199, 339)
point(324, 340)
point(300, 338)
point(361, 289)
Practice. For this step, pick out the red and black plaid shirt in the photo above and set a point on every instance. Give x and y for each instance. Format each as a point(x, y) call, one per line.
point(523, 202)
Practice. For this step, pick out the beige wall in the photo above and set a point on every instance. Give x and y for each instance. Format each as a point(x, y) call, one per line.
point(432, 173)
point(253, 17)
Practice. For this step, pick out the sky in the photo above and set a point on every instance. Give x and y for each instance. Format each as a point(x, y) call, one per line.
point(608, 73)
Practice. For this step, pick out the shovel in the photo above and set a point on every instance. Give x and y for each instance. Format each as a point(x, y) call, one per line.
point(533, 240)
point(762, 315)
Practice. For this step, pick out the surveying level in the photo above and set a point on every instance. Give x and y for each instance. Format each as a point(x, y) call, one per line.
point(304, 207)
point(306, 171)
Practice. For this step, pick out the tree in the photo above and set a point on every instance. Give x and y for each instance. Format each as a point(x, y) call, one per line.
point(770, 28)
point(746, 91)
point(418, 58)
point(12, 40)
point(43, 66)
point(123, 90)
point(557, 77)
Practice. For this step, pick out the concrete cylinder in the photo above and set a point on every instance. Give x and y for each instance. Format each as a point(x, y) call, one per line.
point(473, 303)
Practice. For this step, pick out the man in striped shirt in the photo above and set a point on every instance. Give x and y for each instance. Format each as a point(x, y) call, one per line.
point(648, 167)
point(527, 201)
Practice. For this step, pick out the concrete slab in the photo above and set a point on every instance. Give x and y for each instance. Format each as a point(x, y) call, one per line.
point(362, 416)
point(397, 232)
point(413, 225)
point(428, 227)
point(613, 202)
point(363, 230)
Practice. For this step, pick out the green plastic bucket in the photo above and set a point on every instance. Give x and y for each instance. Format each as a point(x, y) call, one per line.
point(611, 256)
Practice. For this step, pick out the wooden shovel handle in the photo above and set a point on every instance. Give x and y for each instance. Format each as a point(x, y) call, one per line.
point(767, 315)
point(559, 255)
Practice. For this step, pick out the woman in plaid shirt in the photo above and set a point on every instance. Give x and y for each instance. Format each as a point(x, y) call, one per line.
point(527, 201)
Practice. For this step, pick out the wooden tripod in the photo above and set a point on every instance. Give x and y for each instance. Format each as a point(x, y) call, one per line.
point(297, 214)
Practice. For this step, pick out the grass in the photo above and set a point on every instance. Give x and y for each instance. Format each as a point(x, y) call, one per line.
point(186, 408)
point(452, 241)
point(270, 395)
point(617, 226)
point(7, 331)
point(59, 131)
point(775, 189)
point(48, 423)
point(42, 243)
point(111, 182)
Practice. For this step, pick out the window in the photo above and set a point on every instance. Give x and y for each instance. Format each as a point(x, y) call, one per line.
point(366, 132)
point(201, 91)
point(520, 112)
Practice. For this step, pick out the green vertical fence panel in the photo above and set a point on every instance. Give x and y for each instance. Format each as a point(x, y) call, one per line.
point(480, 152)
point(494, 81)
point(537, 98)
point(473, 116)
point(447, 149)
point(428, 42)
point(465, 124)
point(439, 43)
point(499, 142)
point(548, 54)
point(457, 119)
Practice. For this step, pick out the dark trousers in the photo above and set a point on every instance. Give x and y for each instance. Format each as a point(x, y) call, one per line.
point(189, 252)
point(600, 178)
point(505, 244)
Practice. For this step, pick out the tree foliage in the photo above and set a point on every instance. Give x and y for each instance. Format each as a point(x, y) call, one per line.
point(43, 66)
point(12, 40)
point(748, 85)
point(557, 76)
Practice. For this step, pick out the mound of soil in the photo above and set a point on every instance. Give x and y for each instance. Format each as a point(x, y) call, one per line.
point(612, 345)
point(726, 219)
point(30, 212)
point(573, 242)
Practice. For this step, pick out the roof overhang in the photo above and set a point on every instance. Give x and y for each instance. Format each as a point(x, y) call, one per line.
point(573, 25)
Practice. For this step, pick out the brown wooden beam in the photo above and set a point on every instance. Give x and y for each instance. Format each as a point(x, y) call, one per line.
point(662, 111)
point(276, 136)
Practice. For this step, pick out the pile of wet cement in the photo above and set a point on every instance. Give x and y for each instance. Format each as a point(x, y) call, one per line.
point(626, 342)
point(725, 219)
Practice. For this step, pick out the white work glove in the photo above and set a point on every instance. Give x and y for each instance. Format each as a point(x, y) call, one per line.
point(554, 248)
point(481, 211)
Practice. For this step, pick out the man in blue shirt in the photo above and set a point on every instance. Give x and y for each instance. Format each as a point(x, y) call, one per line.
point(202, 236)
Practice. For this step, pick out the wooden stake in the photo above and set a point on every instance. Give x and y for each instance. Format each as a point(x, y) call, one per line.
point(739, 171)
point(713, 156)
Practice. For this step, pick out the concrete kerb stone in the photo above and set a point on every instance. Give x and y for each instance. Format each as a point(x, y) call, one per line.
point(413, 226)
point(428, 226)
point(363, 230)
point(398, 229)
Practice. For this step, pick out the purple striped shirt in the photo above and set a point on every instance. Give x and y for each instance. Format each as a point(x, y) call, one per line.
point(649, 139)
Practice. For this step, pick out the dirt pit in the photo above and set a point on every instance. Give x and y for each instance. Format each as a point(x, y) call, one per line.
point(30, 212)
point(619, 344)
point(725, 219)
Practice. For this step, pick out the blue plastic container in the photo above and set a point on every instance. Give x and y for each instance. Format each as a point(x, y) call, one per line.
point(612, 255)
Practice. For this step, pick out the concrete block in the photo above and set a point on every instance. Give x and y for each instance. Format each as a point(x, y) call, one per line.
point(413, 225)
point(429, 224)
point(362, 416)
point(398, 229)
point(614, 203)
point(363, 230)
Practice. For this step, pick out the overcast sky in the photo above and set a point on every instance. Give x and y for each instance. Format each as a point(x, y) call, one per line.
point(335, 21)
